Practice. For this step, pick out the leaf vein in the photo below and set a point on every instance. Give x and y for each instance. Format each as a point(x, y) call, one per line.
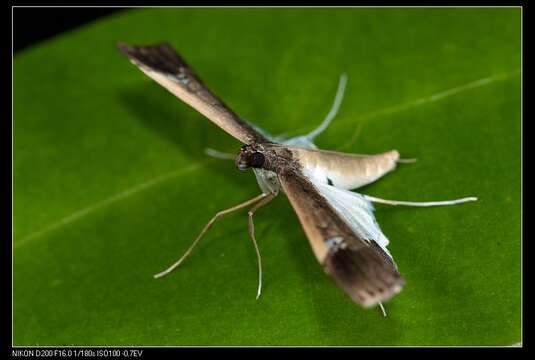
point(78, 214)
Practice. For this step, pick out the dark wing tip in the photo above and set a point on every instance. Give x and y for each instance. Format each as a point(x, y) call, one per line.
point(364, 274)
point(122, 46)
point(160, 57)
point(128, 50)
point(131, 49)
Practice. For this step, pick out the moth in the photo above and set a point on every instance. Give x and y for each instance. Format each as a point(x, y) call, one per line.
point(339, 223)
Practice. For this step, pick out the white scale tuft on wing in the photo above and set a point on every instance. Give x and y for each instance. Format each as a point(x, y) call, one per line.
point(356, 211)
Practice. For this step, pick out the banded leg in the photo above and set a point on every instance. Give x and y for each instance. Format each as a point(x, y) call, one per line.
point(261, 203)
point(217, 216)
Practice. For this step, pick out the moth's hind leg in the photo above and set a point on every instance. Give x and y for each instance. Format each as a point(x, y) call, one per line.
point(334, 109)
point(420, 203)
point(307, 140)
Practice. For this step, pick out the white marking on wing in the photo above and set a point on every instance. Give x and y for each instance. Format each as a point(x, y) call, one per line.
point(356, 211)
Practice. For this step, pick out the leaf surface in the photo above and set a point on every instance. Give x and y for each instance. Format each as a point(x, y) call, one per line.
point(111, 183)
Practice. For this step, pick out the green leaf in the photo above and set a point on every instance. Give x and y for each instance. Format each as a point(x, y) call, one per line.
point(111, 183)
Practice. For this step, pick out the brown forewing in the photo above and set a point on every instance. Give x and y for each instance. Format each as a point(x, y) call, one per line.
point(165, 66)
point(355, 264)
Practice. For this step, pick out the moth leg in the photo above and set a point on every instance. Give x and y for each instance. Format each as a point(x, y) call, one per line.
point(382, 308)
point(421, 203)
point(261, 203)
point(407, 161)
point(307, 141)
point(334, 109)
point(219, 154)
point(217, 216)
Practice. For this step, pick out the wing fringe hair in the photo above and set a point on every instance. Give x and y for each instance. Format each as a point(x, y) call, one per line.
point(364, 274)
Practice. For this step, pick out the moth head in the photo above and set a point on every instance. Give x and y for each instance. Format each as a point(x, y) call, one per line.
point(250, 156)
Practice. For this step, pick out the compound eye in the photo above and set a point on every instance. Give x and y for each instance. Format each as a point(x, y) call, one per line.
point(257, 159)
